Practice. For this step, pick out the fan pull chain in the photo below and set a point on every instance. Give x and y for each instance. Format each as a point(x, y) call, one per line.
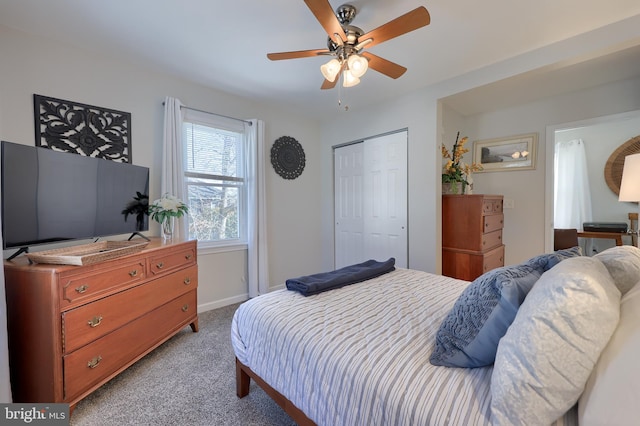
point(346, 107)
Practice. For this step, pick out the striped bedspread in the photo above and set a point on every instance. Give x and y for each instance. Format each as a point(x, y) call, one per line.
point(359, 355)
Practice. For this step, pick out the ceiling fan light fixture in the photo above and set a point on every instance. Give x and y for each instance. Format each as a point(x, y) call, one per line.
point(331, 69)
point(348, 79)
point(358, 65)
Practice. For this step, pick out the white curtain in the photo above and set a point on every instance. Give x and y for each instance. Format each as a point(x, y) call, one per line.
point(172, 159)
point(572, 196)
point(5, 384)
point(257, 223)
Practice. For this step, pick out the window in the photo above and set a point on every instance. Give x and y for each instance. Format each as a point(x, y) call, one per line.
point(215, 179)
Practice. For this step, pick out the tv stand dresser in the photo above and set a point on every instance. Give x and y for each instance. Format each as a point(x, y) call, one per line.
point(73, 328)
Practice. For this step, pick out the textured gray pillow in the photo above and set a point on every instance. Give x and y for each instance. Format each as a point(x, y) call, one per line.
point(546, 356)
point(623, 263)
point(549, 260)
point(468, 336)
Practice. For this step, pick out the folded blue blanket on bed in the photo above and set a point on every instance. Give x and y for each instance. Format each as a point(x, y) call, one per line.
point(317, 283)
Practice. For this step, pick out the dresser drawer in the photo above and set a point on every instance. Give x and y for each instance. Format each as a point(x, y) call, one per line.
point(493, 259)
point(491, 240)
point(80, 288)
point(87, 367)
point(492, 222)
point(491, 206)
point(92, 321)
point(167, 262)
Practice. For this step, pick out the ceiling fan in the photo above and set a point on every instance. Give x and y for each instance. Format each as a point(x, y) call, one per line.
point(346, 43)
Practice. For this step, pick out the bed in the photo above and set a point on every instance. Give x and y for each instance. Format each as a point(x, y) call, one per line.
point(360, 354)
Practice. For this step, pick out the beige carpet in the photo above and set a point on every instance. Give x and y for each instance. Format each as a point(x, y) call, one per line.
point(189, 380)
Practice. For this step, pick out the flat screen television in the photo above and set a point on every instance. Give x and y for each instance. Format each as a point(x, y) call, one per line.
point(50, 196)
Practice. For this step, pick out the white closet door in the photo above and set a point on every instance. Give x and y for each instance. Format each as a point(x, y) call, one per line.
point(349, 223)
point(371, 201)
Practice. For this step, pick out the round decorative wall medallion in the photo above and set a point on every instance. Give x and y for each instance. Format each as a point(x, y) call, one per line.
point(287, 157)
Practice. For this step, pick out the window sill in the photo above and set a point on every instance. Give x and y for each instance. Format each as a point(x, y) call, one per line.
point(208, 248)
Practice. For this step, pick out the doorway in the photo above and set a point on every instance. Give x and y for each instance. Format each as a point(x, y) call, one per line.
point(601, 137)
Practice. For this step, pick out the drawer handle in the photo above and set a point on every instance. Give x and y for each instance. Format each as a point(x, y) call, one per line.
point(187, 281)
point(133, 273)
point(95, 321)
point(188, 256)
point(500, 237)
point(185, 308)
point(82, 288)
point(160, 265)
point(93, 363)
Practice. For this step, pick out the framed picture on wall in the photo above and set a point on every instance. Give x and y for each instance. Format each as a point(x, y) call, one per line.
point(510, 153)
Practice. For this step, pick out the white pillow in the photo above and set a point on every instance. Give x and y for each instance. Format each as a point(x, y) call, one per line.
point(546, 356)
point(623, 263)
point(612, 394)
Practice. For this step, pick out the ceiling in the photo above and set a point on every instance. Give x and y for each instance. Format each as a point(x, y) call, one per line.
point(223, 44)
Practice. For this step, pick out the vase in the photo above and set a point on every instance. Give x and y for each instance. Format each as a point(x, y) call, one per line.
point(453, 187)
point(167, 227)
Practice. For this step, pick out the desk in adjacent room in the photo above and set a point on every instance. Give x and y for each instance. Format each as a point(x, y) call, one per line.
point(606, 235)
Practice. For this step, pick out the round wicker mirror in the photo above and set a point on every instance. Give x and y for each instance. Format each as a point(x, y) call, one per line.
point(614, 165)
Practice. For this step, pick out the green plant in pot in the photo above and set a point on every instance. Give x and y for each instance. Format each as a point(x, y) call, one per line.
point(138, 207)
point(456, 174)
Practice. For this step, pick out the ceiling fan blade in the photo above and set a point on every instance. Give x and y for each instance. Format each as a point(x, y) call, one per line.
point(388, 68)
point(326, 84)
point(408, 22)
point(323, 12)
point(297, 54)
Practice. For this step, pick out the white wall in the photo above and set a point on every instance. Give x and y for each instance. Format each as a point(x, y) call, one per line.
point(430, 122)
point(418, 114)
point(35, 65)
point(300, 211)
point(524, 230)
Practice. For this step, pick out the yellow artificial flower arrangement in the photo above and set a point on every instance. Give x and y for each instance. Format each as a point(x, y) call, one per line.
point(455, 171)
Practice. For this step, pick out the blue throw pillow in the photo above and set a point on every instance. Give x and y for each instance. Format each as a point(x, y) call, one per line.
point(470, 333)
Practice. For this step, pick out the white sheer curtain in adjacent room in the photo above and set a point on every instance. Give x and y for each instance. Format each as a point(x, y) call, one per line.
point(572, 196)
point(172, 157)
point(257, 208)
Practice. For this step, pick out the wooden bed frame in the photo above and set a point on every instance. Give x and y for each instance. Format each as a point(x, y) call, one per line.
point(243, 379)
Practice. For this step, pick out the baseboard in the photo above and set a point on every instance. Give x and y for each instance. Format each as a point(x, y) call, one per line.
point(231, 300)
point(222, 303)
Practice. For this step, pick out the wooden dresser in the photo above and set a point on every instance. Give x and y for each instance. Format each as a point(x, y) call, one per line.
point(471, 235)
point(73, 328)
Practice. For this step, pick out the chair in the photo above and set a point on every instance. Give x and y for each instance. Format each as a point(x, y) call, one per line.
point(633, 228)
point(564, 238)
